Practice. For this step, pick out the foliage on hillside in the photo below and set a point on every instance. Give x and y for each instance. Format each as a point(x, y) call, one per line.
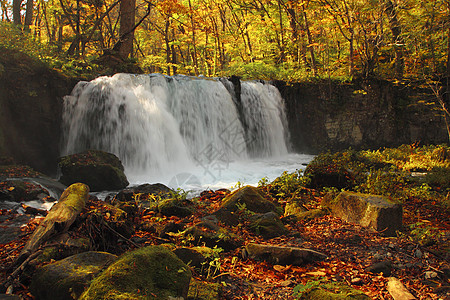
point(287, 40)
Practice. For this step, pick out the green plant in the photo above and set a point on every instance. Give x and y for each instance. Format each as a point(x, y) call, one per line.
point(424, 234)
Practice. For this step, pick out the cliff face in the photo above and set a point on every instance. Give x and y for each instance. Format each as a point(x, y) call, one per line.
point(30, 110)
point(334, 116)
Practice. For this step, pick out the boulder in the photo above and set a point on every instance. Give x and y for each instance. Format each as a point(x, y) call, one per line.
point(68, 278)
point(372, 211)
point(149, 272)
point(144, 195)
point(99, 170)
point(247, 198)
point(267, 225)
point(175, 207)
point(212, 235)
point(279, 255)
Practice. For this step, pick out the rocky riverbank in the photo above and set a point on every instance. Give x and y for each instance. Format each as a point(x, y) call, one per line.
point(288, 239)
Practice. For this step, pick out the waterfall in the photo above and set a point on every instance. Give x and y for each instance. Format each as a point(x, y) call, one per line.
point(161, 126)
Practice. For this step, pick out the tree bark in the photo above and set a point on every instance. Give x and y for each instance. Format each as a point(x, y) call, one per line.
point(59, 218)
point(126, 31)
point(16, 12)
point(29, 15)
point(397, 39)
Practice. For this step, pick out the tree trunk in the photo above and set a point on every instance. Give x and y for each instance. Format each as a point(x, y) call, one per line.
point(29, 15)
point(310, 42)
point(194, 54)
point(59, 218)
point(16, 12)
point(397, 39)
point(126, 31)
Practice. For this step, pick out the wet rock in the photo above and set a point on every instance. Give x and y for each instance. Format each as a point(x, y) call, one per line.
point(10, 226)
point(246, 199)
point(68, 278)
point(279, 255)
point(372, 211)
point(152, 271)
point(99, 170)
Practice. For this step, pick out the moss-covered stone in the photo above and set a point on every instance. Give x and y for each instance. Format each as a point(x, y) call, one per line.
point(373, 211)
point(68, 278)
point(147, 273)
point(174, 207)
point(98, 169)
point(268, 225)
point(212, 235)
point(332, 291)
point(246, 199)
point(200, 290)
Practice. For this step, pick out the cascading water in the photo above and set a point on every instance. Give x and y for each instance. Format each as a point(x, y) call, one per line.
point(161, 126)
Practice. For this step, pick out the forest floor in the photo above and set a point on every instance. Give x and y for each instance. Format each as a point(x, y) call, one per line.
point(423, 269)
point(419, 254)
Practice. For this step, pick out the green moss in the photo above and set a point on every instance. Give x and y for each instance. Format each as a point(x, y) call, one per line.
point(318, 290)
point(150, 272)
point(200, 290)
point(75, 196)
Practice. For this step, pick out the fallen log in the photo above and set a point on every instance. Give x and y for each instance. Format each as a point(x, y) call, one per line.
point(58, 220)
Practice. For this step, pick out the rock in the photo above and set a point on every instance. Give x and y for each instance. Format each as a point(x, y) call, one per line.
point(333, 291)
point(68, 278)
point(212, 235)
point(279, 255)
point(308, 215)
point(294, 207)
point(195, 257)
point(204, 290)
point(99, 170)
point(144, 273)
point(371, 211)
point(418, 253)
point(397, 290)
point(10, 297)
point(144, 195)
point(10, 226)
point(19, 190)
point(245, 199)
point(267, 225)
point(174, 207)
point(384, 267)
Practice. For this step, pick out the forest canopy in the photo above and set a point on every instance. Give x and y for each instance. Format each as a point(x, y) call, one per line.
point(266, 39)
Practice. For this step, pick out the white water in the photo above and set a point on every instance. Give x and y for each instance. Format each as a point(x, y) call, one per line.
point(182, 131)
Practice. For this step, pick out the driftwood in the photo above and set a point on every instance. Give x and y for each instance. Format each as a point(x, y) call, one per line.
point(58, 220)
point(397, 290)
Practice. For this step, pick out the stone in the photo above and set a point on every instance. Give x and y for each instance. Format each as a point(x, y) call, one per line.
point(334, 291)
point(147, 272)
point(204, 290)
point(212, 235)
point(246, 199)
point(68, 278)
point(195, 256)
point(175, 207)
point(279, 255)
point(384, 267)
point(98, 169)
point(267, 225)
point(371, 211)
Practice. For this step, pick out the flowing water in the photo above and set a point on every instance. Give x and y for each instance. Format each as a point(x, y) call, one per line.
point(182, 131)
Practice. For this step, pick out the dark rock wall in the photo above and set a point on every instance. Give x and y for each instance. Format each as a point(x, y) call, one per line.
point(30, 110)
point(328, 115)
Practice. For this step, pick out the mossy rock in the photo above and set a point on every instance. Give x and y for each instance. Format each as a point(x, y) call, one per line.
point(294, 207)
point(68, 278)
point(174, 207)
point(268, 225)
point(247, 199)
point(98, 169)
point(311, 214)
point(152, 272)
point(211, 235)
point(329, 291)
point(200, 290)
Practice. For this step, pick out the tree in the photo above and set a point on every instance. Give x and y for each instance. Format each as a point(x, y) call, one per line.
point(126, 29)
